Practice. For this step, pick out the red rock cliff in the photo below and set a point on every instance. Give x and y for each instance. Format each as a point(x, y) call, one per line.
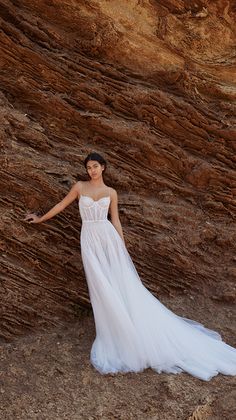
point(152, 86)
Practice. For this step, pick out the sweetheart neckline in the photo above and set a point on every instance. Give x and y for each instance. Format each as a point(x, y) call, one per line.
point(95, 201)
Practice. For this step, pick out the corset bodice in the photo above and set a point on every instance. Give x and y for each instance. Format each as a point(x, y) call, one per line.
point(93, 210)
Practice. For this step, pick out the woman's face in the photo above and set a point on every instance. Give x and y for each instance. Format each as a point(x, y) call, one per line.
point(94, 169)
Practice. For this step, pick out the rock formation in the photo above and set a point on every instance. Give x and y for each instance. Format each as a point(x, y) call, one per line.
point(152, 86)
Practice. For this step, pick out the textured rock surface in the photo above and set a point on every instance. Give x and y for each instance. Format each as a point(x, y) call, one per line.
point(151, 85)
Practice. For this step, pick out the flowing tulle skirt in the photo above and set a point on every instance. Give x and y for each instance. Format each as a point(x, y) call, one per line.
point(134, 330)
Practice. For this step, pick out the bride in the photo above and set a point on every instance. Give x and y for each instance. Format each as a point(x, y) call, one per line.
point(134, 330)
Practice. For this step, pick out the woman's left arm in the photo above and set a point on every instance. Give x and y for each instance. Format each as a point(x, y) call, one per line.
point(115, 220)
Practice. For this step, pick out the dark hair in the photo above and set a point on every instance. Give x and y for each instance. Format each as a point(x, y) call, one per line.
point(97, 157)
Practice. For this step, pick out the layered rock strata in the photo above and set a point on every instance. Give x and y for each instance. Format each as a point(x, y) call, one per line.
point(149, 84)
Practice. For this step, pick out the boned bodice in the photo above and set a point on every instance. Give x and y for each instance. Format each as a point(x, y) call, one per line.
point(93, 210)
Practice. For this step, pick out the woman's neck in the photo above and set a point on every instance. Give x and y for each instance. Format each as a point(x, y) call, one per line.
point(97, 183)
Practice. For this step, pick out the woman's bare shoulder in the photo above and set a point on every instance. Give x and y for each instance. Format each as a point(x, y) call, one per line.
point(80, 184)
point(113, 192)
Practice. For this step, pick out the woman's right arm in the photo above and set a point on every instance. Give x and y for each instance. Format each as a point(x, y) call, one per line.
point(68, 199)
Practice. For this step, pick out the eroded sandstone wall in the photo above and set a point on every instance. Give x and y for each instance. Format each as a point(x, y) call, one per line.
point(152, 86)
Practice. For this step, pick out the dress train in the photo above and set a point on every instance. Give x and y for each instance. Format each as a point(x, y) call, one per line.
point(134, 330)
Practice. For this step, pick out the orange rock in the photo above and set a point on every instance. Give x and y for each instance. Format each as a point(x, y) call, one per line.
point(151, 85)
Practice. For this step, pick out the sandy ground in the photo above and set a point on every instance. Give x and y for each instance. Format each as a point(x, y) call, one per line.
point(48, 376)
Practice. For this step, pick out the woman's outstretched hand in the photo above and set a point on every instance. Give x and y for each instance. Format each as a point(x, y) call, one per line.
point(71, 196)
point(32, 218)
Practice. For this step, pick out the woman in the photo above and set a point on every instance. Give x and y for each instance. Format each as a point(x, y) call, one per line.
point(134, 330)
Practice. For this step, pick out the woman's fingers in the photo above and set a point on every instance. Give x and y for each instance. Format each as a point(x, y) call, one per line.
point(28, 216)
point(31, 217)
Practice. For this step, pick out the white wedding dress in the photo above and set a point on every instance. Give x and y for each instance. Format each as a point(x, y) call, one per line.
point(134, 330)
